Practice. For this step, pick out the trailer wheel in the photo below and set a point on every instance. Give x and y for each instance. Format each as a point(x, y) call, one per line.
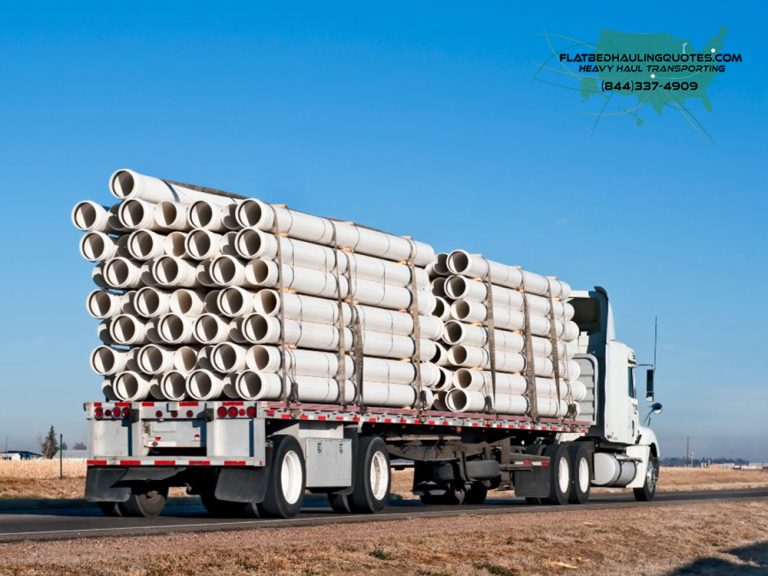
point(648, 491)
point(559, 474)
point(286, 479)
point(476, 494)
point(111, 509)
point(372, 476)
point(581, 473)
point(145, 504)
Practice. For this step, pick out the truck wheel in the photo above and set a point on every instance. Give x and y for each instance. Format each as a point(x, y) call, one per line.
point(286, 479)
point(648, 491)
point(372, 476)
point(581, 473)
point(111, 509)
point(145, 504)
point(559, 474)
point(476, 494)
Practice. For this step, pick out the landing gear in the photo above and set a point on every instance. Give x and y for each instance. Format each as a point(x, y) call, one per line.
point(648, 491)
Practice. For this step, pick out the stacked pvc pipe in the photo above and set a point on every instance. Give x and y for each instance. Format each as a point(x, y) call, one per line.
point(207, 296)
point(460, 283)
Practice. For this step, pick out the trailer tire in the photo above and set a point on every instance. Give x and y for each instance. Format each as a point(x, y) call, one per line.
point(559, 474)
point(476, 494)
point(145, 504)
point(286, 479)
point(110, 509)
point(581, 473)
point(648, 491)
point(373, 478)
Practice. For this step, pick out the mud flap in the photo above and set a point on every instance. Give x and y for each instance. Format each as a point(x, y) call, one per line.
point(102, 485)
point(532, 483)
point(241, 484)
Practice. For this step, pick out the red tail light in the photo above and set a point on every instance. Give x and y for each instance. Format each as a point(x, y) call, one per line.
point(251, 411)
point(221, 412)
point(98, 412)
point(232, 411)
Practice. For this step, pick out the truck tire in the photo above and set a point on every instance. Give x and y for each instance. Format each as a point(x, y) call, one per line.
point(286, 479)
point(581, 472)
point(559, 474)
point(340, 503)
point(476, 494)
point(372, 478)
point(110, 509)
point(145, 504)
point(648, 491)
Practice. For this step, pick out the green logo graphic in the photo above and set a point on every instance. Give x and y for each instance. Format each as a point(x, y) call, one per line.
point(626, 72)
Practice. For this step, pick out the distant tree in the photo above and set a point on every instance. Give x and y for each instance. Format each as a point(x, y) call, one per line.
point(64, 446)
point(79, 446)
point(50, 444)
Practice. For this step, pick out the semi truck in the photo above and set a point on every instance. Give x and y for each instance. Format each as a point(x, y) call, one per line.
point(260, 458)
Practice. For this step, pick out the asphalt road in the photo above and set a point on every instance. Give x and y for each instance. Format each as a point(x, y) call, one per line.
point(82, 522)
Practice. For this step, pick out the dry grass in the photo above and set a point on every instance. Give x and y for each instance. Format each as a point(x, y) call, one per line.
point(40, 479)
point(641, 540)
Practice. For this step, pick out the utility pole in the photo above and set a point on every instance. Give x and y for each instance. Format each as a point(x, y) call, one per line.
point(61, 457)
point(688, 452)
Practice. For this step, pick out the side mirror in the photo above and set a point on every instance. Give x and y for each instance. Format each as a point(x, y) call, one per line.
point(649, 384)
point(657, 408)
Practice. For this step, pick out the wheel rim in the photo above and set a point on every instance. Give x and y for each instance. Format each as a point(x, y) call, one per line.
point(650, 475)
point(583, 474)
point(290, 477)
point(379, 475)
point(563, 478)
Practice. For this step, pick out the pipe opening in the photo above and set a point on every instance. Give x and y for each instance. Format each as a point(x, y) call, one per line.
point(127, 386)
point(132, 213)
point(174, 385)
point(454, 332)
point(260, 271)
point(199, 244)
point(147, 301)
point(186, 358)
point(200, 214)
point(456, 287)
point(93, 246)
point(175, 244)
point(261, 358)
point(249, 213)
point(141, 244)
point(117, 272)
point(438, 286)
point(122, 183)
point(441, 307)
point(232, 301)
point(269, 302)
point(171, 327)
point(151, 358)
point(124, 329)
point(167, 270)
point(249, 384)
point(441, 264)
point(167, 214)
point(85, 215)
point(255, 328)
point(456, 400)
point(101, 303)
point(184, 301)
point(459, 261)
point(249, 243)
point(224, 269)
point(458, 354)
point(461, 309)
point(200, 384)
point(207, 328)
point(104, 360)
point(225, 357)
point(463, 378)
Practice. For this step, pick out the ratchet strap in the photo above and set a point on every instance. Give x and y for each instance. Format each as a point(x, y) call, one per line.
point(490, 328)
point(419, 400)
point(530, 372)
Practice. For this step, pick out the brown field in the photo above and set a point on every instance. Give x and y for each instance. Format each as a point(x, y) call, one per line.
point(40, 479)
point(713, 538)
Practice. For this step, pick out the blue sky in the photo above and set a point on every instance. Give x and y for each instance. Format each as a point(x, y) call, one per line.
point(422, 119)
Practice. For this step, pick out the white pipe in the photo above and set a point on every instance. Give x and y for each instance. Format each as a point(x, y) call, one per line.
point(105, 304)
point(107, 391)
point(470, 379)
point(213, 217)
point(207, 385)
point(438, 402)
point(107, 361)
point(186, 302)
point(260, 329)
point(229, 358)
point(176, 329)
point(132, 386)
point(227, 271)
point(170, 271)
point(438, 266)
point(173, 385)
point(254, 244)
point(212, 302)
point(204, 355)
point(98, 246)
point(126, 184)
point(97, 275)
point(460, 288)
point(157, 359)
point(256, 214)
point(89, 216)
point(437, 287)
point(455, 332)
point(316, 283)
point(440, 356)
point(203, 244)
point(472, 357)
point(145, 244)
point(236, 301)
point(124, 273)
point(151, 302)
point(204, 274)
point(213, 329)
point(171, 216)
point(137, 214)
point(175, 244)
point(475, 266)
point(324, 311)
point(128, 330)
point(269, 359)
point(507, 319)
point(551, 407)
point(458, 400)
